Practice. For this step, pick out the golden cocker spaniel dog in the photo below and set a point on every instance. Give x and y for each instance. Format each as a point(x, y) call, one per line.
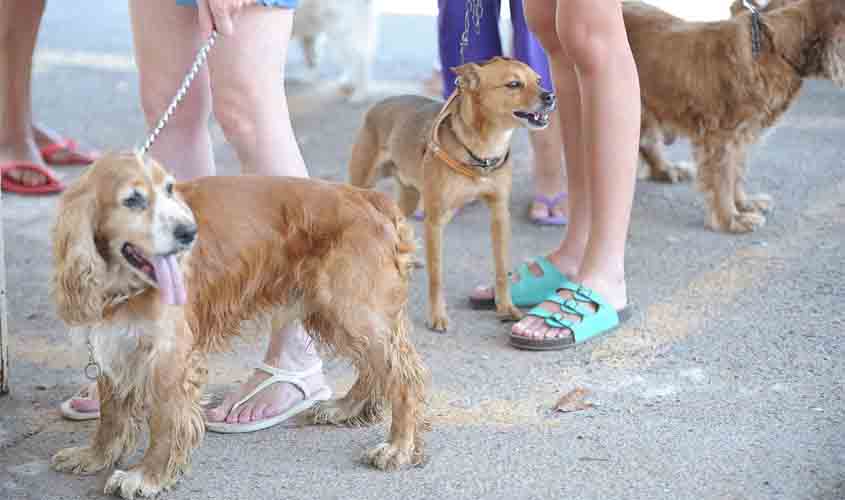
point(157, 274)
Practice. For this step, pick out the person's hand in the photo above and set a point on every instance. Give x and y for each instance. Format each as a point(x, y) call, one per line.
point(220, 15)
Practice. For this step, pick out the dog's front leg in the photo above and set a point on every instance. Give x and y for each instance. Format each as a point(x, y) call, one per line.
point(116, 434)
point(434, 222)
point(176, 425)
point(719, 171)
point(500, 231)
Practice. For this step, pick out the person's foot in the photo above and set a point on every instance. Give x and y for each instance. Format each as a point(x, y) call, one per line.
point(533, 327)
point(549, 207)
point(58, 150)
point(565, 266)
point(23, 153)
point(84, 405)
point(269, 402)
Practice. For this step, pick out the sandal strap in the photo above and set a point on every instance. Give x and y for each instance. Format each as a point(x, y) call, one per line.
point(51, 149)
point(552, 202)
point(277, 376)
point(571, 306)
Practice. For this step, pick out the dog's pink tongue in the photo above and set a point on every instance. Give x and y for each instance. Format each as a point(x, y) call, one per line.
point(164, 278)
point(179, 293)
point(170, 281)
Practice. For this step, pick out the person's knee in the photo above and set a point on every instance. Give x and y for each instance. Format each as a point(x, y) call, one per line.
point(541, 22)
point(592, 47)
point(237, 112)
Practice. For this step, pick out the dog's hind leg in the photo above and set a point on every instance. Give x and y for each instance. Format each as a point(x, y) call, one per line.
point(115, 438)
point(389, 370)
point(404, 383)
point(720, 163)
point(657, 167)
point(409, 199)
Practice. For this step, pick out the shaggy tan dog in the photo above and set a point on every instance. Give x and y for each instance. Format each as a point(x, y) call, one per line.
point(701, 80)
point(335, 257)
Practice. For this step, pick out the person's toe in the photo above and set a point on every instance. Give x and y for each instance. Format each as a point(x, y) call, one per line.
point(482, 293)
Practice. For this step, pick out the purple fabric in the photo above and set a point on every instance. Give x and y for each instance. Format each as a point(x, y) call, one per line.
point(487, 44)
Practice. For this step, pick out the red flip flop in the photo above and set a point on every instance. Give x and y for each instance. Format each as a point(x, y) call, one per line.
point(53, 185)
point(68, 151)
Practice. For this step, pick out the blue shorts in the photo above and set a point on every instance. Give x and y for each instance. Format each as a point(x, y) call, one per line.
point(284, 4)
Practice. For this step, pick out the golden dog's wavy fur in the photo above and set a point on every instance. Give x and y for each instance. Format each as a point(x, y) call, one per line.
point(335, 257)
point(701, 80)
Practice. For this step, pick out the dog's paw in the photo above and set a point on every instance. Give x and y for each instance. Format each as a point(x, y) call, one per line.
point(345, 412)
point(509, 313)
point(682, 171)
point(82, 460)
point(387, 456)
point(354, 94)
point(759, 203)
point(131, 484)
point(744, 222)
point(439, 322)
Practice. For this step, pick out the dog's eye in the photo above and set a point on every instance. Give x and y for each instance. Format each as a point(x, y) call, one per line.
point(136, 201)
point(516, 84)
point(168, 188)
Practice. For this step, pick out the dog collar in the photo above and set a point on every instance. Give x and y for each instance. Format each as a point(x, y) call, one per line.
point(470, 170)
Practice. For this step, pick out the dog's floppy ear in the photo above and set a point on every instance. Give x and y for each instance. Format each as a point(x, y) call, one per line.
point(468, 78)
point(78, 268)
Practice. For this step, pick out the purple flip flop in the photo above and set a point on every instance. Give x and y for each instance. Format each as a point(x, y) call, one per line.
point(550, 203)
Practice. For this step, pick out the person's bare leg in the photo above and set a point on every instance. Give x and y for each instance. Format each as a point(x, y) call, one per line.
point(19, 23)
point(567, 257)
point(250, 105)
point(247, 74)
point(184, 147)
point(549, 171)
point(592, 33)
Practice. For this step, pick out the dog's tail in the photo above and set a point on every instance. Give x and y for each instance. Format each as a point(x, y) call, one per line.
point(363, 169)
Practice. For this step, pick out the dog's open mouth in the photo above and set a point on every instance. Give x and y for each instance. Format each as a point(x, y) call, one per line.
point(537, 119)
point(163, 271)
point(136, 259)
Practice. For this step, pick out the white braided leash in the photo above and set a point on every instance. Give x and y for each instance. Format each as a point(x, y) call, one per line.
point(199, 61)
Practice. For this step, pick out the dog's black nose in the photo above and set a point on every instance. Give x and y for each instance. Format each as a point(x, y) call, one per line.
point(548, 98)
point(185, 233)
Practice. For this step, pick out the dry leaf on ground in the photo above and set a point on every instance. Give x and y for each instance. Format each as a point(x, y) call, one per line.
point(573, 401)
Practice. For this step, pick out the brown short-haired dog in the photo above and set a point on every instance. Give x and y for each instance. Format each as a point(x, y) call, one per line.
point(702, 80)
point(335, 257)
point(453, 153)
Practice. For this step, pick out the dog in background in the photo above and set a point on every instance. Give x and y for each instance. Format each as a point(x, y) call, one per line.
point(158, 274)
point(453, 153)
point(350, 28)
point(702, 81)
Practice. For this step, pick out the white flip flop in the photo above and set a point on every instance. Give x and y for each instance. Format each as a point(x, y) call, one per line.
point(277, 376)
point(71, 413)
